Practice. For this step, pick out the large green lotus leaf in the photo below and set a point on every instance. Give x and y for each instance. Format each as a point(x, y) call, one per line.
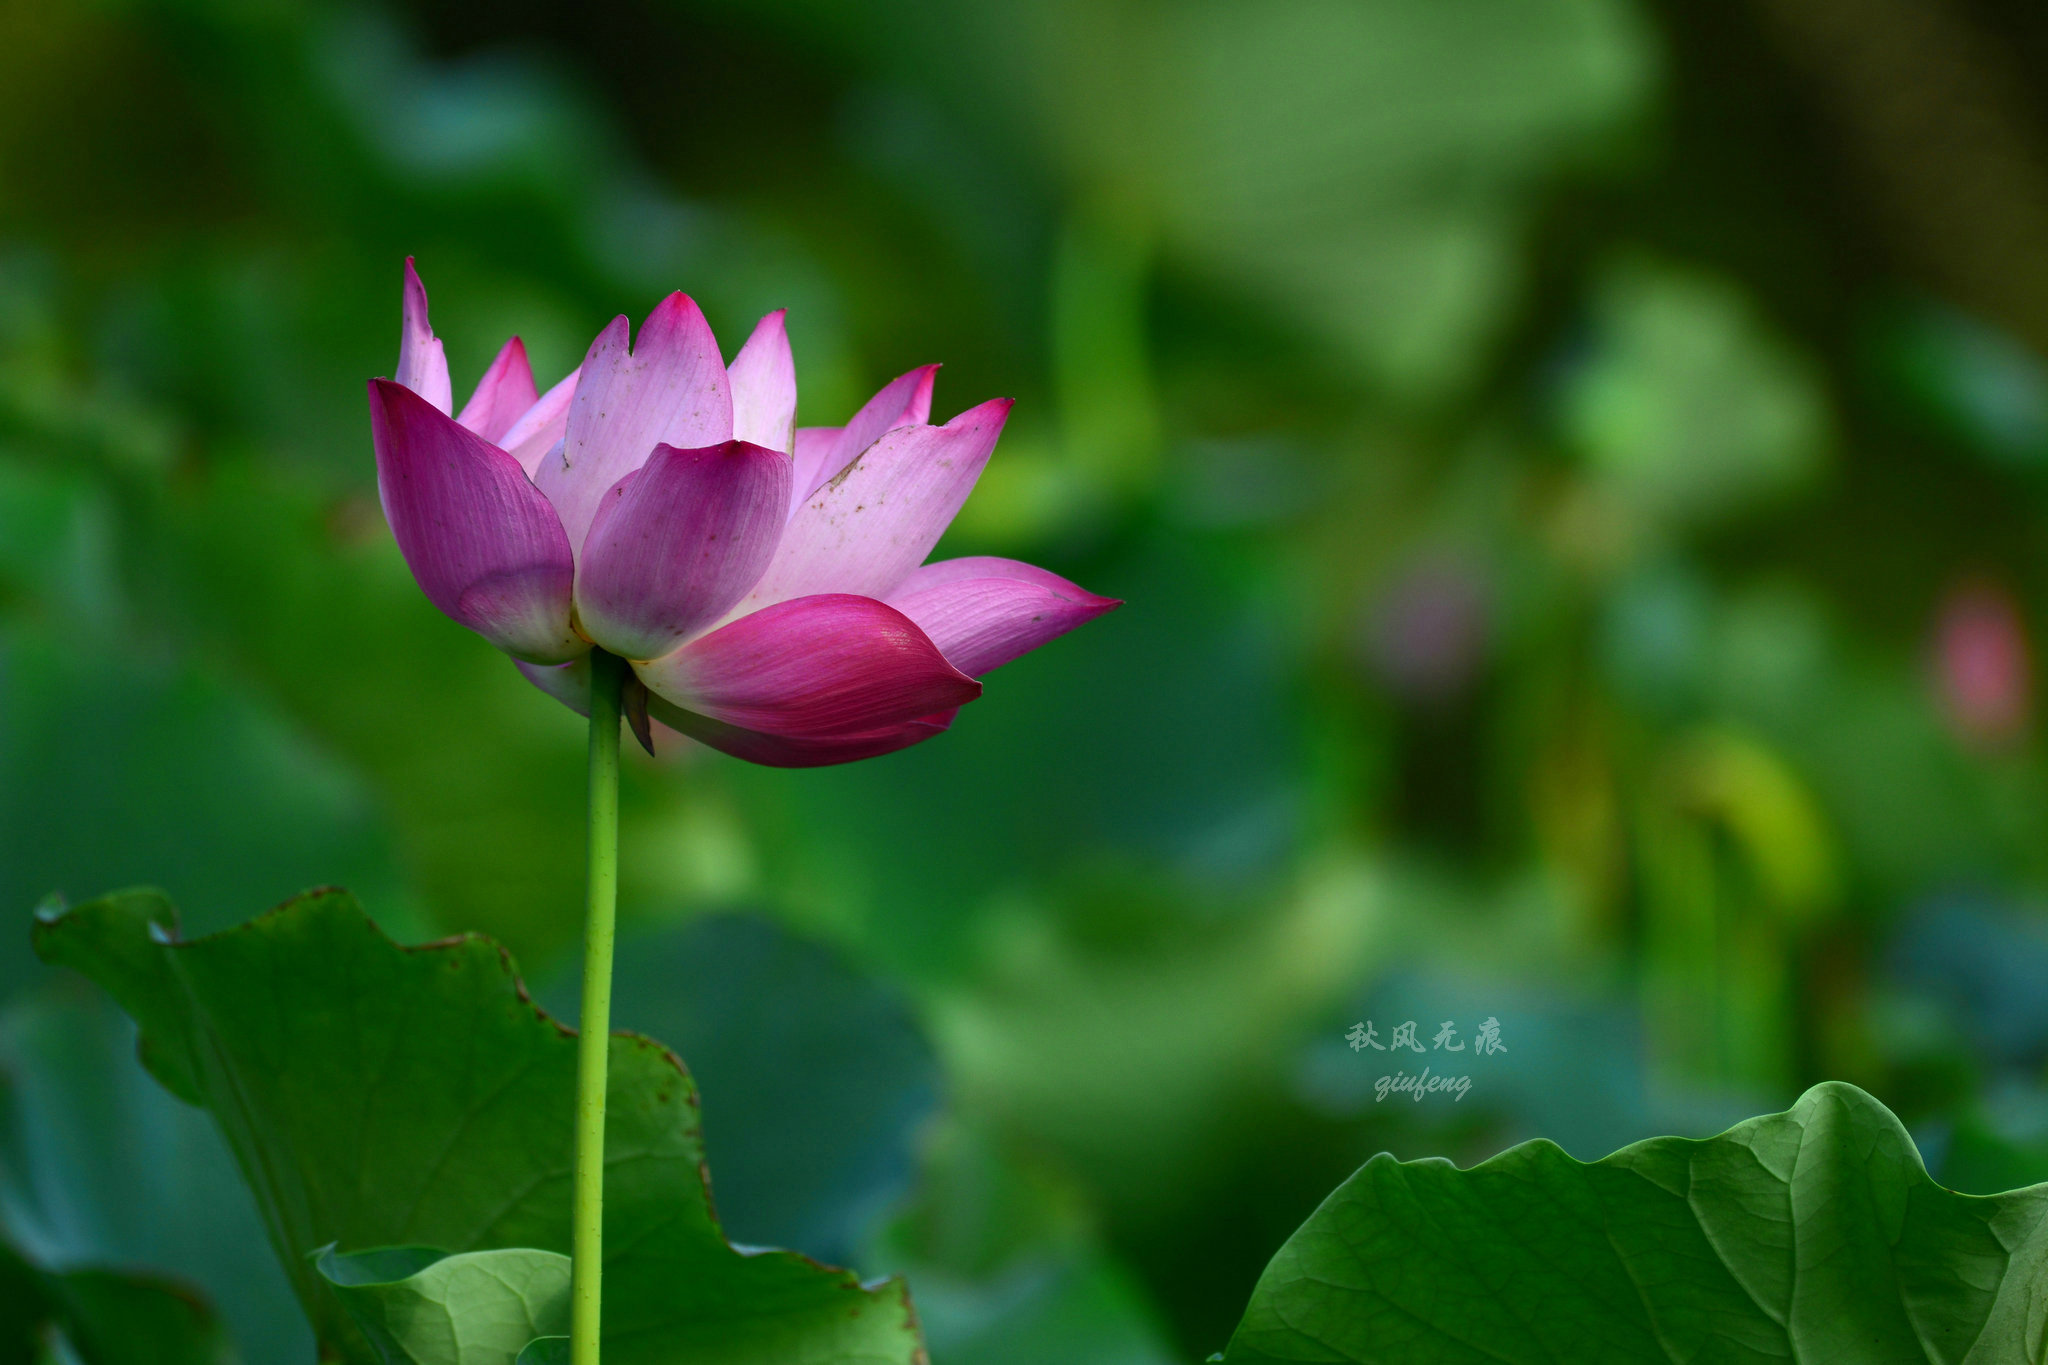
point(98, 1166)
point(420, 1306)
point(1006, 1253)
point(101, 1317)
point(816, 1077)
point(1813, 1235)
point(379, 1096)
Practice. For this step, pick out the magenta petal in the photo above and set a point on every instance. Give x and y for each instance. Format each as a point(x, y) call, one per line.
point(677, 543)
point(815, 668)
point(668, 389)
point(483, 543)
point(422, 362)
point(814, 446)
point(569, 684)
point(877, 519)
point(983, 612)
point(763, 379)
point(541, 427)
point(904, 401)
point(502, 396)
point(782, 751)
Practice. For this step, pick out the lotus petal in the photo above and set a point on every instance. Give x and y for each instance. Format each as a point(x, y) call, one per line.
point(541, 427)
point(669, 389)
point(877, 519)
point(422, 361)
point(502, 396)
point(483, 543)
point(763, 379)
point(784, 751)
point(812, 448)
point(904, 401)
point(983, 612)
point(814, 668)
point(677, 543)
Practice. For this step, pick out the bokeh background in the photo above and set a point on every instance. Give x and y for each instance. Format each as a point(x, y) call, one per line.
point(1576, 468)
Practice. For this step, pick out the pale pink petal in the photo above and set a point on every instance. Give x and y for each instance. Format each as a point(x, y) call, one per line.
point(676, 543)
point(904, 401)
point(814, 446)
point(783, 751)
point(483, 543)
point(669, 389)
point(422, 362)
point(876, 520)
point(814, 668)
point(822, 452)
point(567, 683)
point(983, 612)
point(763, 379)
point(504, 393)
point(541, 427)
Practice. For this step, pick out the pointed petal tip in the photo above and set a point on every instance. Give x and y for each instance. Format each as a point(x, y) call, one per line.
point(919, 408)
point(669, 386)
point(995, 410)
point(982, 611)
point(415, 296)
point(763, 382)
point(872, 519)
point(676, 305)
point(422, 360)
point(504, 394)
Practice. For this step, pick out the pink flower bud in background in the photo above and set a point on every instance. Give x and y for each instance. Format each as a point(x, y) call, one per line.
point(1983, 675)
point(1425, 636)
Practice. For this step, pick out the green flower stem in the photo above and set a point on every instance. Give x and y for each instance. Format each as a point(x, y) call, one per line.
point(586, 1248)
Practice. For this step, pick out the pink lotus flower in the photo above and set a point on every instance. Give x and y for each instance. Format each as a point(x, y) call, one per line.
point(766, 582)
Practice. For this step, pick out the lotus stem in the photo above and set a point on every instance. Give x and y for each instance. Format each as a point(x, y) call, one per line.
point(586, 1252)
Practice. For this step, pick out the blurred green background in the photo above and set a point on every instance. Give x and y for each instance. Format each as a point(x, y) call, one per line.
point(1576, 468)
